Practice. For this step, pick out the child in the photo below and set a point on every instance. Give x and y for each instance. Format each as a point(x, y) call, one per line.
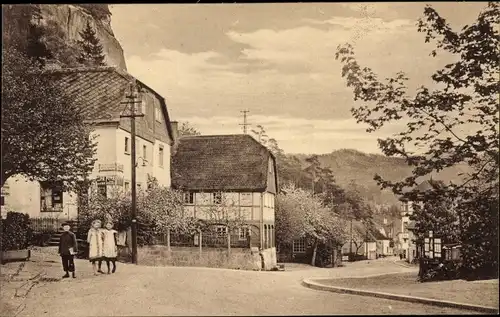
point(68, 247)
point(110, 248)
point(95, 240)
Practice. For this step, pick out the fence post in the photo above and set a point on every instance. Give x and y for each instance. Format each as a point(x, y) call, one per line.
point(228, 241)
point(168, 240)
point(200, 242)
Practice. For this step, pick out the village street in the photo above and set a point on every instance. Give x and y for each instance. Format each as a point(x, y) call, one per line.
point(141, 290)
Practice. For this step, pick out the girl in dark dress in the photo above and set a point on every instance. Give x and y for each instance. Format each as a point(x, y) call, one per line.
point(68, 247)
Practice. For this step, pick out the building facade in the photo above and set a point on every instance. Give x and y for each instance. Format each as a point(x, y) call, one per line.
point(102, 92)
point(228, 178)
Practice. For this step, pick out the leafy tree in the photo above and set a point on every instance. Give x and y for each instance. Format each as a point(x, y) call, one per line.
point(225, 213)
point(300, 214)
point(63, 52)
point(313, 170)
point(187, 130)
point(44, 136)
point(91, 52)
point(455, 121)
point(166, 207)
point(260, 134)
point(159, 211)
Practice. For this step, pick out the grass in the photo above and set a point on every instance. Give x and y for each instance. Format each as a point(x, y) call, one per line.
point(159, 256)
point(477, 293)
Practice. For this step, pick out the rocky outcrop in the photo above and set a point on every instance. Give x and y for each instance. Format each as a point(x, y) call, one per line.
point(73, 18)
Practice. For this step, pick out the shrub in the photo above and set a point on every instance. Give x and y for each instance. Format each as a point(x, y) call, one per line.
point(16, 232)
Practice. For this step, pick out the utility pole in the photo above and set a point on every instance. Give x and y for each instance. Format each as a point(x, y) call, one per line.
point(132, 101)
point(245, 123)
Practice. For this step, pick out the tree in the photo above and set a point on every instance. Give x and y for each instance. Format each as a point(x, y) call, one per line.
point(224, 212)
point(44, 136)
point(437, 214)
point(260, 135)
point(300, 214)
point(159, 211)
point(454, 122)
point(166, 207)
point(313, 170)
point(91, 53)
point(187, 130)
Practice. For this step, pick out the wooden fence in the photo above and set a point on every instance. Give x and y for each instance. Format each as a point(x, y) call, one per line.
point(208, 239)
point(49, 225)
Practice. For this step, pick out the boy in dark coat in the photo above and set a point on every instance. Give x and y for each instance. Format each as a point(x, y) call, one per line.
point(68, 247)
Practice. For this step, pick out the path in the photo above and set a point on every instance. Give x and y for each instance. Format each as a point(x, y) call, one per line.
point(139, 290)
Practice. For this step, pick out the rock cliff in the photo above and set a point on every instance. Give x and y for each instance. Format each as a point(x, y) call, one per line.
point(73, 18)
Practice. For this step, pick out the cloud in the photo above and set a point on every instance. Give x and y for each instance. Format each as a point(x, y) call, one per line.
point(287, 78)
point(297, 135)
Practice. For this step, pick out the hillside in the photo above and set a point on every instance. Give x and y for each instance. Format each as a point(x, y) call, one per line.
point(348, 165)
point(61, 24)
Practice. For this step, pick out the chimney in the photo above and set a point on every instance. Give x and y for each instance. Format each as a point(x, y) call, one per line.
point(175, 130)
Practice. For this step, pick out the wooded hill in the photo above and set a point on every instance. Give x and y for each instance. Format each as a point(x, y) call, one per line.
point(350, 165)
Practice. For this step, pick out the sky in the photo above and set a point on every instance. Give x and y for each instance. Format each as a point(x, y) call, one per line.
point(277, 60)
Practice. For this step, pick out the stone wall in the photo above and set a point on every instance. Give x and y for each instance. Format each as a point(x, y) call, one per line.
point(239, 258)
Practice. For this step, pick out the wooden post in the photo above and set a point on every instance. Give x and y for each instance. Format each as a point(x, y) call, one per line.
point(200, 242)
point(228, 241)
point(168, 241)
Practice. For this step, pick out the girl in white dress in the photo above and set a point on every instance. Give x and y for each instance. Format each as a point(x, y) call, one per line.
point(110, 247)
point(95, 240)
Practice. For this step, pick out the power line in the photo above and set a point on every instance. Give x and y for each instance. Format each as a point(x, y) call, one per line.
point(245, 124)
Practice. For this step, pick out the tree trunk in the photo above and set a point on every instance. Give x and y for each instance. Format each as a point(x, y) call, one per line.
point(168, 240)
point(315, 249)
point(200, 242)
point(334, 259)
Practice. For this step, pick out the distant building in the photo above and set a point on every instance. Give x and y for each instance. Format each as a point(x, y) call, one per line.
point(406, 238)
point(234, 171)
point(101, 91)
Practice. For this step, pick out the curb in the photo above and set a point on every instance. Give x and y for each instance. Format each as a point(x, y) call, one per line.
point(405, 298)
point(403, 265)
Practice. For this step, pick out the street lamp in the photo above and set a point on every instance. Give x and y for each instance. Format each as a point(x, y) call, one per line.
point(133, 98)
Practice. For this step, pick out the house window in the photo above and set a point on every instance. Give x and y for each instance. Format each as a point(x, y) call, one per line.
point(144, 152)
point(242, 233)
point(299, 245)
point(437, 247)
point(160, 156)
point(143, 107)
point(158, 115)
point(51, 196)
point(4, 192)
point(221, 231)
point(217, 198)
point(189, 198)
point(102, 189)
point(246, 199)
point(127, 146)
point(127, 186)
point(266, 243)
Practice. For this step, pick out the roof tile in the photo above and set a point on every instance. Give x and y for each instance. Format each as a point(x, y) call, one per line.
point(220, 163)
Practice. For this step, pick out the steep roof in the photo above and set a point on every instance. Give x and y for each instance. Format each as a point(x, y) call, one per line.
point(424, 186)
point(220, 163)
point(100, 91)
